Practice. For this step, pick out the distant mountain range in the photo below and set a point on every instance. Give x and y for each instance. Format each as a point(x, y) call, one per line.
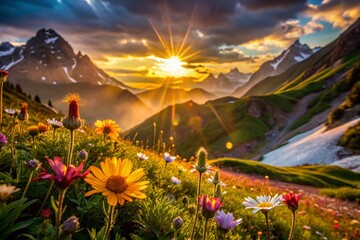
point(296, 53)
point(296, 100)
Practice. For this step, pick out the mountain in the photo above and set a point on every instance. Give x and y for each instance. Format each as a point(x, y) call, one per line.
point(48, 67)
point(164, 96)
point(48, 58)
point(225, 83)
point(296, 53)
point(254, 125)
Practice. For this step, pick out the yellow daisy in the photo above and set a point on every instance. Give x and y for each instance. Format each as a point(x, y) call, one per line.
point(108, 128)
point(116, 181)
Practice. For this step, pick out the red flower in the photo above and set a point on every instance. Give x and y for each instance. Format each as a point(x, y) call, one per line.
point(209, 206)
point(45, 213)
point(292, 200)
point(64, 175)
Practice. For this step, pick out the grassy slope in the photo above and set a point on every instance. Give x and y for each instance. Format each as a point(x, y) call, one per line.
point(318, 176)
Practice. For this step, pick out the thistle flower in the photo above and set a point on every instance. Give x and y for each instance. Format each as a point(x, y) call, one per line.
point(82, 155)
point(175, 180)
point(142, 156)
point(201, 160)
point(23, 115)
point(168, 158)
point(209, 205)
point(177, 223)
point(292, 200)
point(263, 203)
point(3, 75)
point(116, 181)
point(2, 140)
point(33, 130)
point(107, 127)
point(71, 225)
point(72, 120)
point(216, 179)
point(6, 192)
point(218, 191)
point(54, 123)
point(64, 175)
point(42, 128)
point(225, 222)
point(32, 163)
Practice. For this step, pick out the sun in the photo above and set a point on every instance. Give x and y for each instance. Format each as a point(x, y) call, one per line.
point(173, 67)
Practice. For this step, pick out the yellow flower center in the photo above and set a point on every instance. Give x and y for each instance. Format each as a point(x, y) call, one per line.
point(264, 204)
point(106, 130)
point(116, 184)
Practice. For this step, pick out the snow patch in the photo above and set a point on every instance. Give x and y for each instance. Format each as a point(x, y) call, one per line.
point(54, 82)
point(67, 74)
point(7, 52)
point(51, 40)
point(314, 147)
point(352, 163)
point(101, 75)
point(43, 78)
point(74, 65)
point(98, 82)
point(276, 64)
point(16, 62)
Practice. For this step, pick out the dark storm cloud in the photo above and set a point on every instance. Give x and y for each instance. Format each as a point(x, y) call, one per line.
point(99, 27)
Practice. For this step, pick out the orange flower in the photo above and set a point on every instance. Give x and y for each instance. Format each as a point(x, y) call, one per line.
point(33, 131)
point(42, 128)
point(108, 128)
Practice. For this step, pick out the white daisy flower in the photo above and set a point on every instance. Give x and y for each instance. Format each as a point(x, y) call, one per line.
point(142, 156)
point(175, 180)
point(263, 203)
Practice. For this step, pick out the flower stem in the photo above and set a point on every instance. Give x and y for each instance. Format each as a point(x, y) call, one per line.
point(292, 226)
point(175, 235)
point(45, 199)
point(165, 168)
point(71, 147)
point(1, 104)
point(197, 206)
point(204, 233)
point(54, 133)
point(267, 225)
point(109, 222)
point(59, 212)
point(12, 149)
point(27, 184)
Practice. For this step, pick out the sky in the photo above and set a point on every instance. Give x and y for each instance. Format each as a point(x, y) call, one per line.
point(144, 43)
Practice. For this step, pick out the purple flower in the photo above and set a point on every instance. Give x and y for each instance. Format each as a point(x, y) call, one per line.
point(169, 158)
point(226, 221)
point(175, 180)
point(2, 140)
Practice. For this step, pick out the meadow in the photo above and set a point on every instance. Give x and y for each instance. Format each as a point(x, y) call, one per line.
point(71, 180)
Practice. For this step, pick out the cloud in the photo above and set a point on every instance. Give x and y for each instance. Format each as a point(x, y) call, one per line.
point(340, 13)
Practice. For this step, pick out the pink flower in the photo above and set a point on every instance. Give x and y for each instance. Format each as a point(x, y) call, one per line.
point(225, 222)
point(292, 200)
point(64, 175)
point(209, 206)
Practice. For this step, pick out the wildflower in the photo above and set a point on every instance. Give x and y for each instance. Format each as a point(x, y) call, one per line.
point(201, 160)
point(218, 191)
point(142, 156)
point(177, 223)
point(11, 112)
point(260, 234)
point(216, 179)
point(209, 206)
point(263, 203)
point(82, 155)
point(292, 200)
point(2, 140)
point(168, 158)
point(107, 128)
point(71, 225)
point(64, 175)
point(32, 163)
point(225, 222)
point(45, 213)
point(354, 222)
point(185, 199)
point(6, 192)
point(33, 130)
point(42, 128)
point(116, 181)
point(3, 75)
point(175, 180)
point(54, 123)
point(72, 120)
point(307, 228)
point(23, 115)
